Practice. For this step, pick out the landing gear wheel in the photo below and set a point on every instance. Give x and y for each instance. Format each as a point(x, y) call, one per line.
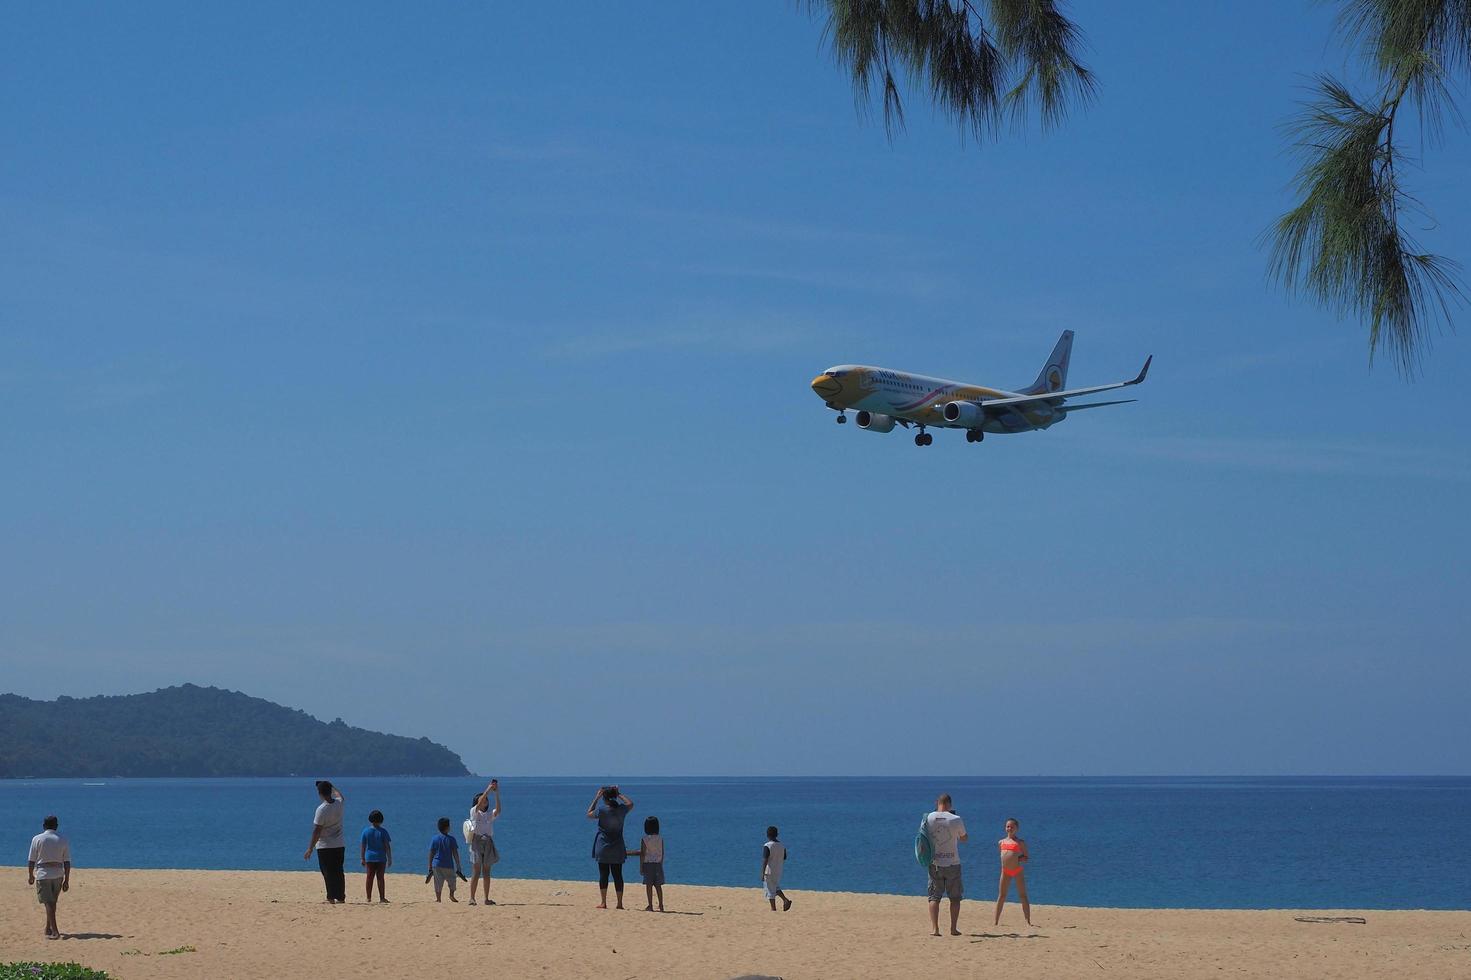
point(974, 435)
point(842, 418)
point(923, 439)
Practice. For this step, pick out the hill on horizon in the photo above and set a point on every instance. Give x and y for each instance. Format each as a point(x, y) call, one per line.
point(199, 731)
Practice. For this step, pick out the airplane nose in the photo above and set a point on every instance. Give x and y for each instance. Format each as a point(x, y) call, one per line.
point(825, 386)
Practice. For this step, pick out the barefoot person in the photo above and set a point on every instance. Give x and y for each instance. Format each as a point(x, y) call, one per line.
point(444, 862)
point(327, 840)
point(946, 832)
point(483, 854)
point(1013, 853)
point(651, 862)
point(375, 852)
point(49, 868)
point(609, 808)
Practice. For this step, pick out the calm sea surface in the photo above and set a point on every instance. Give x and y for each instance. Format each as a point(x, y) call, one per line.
point(1373, 843)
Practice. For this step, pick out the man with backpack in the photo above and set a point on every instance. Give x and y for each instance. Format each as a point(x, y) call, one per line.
point(940, 836)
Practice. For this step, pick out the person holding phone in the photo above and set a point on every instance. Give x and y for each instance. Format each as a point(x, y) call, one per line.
point(609, 808)
point(482, 837)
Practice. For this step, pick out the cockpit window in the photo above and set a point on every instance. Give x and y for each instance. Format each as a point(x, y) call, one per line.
point(834, 374)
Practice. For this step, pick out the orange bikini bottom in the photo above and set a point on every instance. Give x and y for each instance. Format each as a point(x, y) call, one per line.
point(1011, 872)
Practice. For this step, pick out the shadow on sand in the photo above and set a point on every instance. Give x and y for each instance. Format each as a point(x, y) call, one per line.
point(976, 937)
point(92, 935)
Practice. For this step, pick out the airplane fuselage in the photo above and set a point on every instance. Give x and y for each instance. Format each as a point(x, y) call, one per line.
point(921, 399)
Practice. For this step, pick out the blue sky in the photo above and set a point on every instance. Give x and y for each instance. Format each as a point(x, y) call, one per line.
point(447, 372)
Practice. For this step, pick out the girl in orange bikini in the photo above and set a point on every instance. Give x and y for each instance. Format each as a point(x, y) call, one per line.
point(1013, 853)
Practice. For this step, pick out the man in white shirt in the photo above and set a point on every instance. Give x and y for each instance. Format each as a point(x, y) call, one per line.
point(483, 854)
point(49, 868)
point(946, 832)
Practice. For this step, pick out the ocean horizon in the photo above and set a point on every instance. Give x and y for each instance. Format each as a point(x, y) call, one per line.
point(1211, 842)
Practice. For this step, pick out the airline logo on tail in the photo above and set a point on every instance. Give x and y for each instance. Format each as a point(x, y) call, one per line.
point(884, 398)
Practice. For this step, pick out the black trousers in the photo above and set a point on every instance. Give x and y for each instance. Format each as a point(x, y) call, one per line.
point(329, 859)
point(616, 870)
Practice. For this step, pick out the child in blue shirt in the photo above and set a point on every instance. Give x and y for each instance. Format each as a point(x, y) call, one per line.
point(376, 852)
point(444, 861)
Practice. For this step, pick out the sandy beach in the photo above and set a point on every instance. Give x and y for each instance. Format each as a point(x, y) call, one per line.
point(274, 924)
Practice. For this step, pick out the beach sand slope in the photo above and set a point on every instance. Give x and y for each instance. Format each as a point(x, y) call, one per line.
point(266, 924)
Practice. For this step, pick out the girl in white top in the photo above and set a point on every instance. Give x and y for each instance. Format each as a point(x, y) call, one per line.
point(651, 862)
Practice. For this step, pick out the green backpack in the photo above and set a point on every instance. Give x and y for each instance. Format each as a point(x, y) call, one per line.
point(924, 848)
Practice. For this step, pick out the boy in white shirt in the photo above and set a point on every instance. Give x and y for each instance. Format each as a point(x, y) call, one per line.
point(773, 860)
point(49, 868)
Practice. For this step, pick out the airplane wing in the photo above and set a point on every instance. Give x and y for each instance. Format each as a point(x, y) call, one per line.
point(1079, 408)
point(1054, 396)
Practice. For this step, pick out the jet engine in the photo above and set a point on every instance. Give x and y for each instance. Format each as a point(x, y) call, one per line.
point(968, 414)
point(874, 422)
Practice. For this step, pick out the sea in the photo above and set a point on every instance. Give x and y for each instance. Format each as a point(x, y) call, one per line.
point(1244, 843)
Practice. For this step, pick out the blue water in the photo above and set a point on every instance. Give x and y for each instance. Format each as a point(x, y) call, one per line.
point(1372, 843)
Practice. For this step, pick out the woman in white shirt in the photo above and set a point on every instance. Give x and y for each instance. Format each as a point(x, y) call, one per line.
point(328, 842)
point(482, 838)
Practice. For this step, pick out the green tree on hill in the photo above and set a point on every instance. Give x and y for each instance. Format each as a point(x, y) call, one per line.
point(199, 731)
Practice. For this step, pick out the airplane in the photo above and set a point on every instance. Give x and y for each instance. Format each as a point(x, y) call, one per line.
point(884, 398)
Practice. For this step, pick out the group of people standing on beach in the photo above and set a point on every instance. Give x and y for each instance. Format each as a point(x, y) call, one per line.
point(375, 847)
point(937, 846)
point(610, 808)
point(941, 833)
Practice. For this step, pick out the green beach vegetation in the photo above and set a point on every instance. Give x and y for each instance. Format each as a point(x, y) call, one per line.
point(199, 731)
point(49, 971)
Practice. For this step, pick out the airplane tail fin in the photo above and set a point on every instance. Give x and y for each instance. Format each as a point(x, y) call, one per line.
point(1054, 373)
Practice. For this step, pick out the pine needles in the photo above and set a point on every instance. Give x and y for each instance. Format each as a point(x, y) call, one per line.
point(1345, 243)
point(1019, 57)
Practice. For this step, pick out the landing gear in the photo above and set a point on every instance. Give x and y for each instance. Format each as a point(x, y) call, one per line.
point(974, 435)
point(923, 439)
point(842, 418)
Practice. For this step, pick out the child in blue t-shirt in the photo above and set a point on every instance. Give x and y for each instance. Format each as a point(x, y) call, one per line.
point(376, 853)
point(444, 861)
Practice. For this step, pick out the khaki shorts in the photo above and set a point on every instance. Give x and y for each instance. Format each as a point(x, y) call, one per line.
point(945, 882)
point(48, 890)
point(483, 853)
